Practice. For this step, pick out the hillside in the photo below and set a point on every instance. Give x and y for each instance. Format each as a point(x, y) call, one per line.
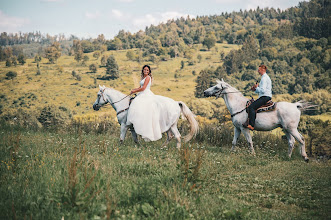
point(56, 86)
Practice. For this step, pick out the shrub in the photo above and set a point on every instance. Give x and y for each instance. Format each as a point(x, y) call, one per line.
point(11, 75)
point(93, 68)
point(53, 117)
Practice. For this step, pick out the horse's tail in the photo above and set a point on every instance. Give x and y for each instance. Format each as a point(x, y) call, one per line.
point(194, 126)
point(303, 105)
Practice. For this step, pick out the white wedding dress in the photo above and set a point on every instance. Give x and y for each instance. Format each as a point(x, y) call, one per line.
point(151, 115)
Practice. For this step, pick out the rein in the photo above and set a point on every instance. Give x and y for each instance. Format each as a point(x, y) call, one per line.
point(115, 102)
point(112, 102)
point(234, 114)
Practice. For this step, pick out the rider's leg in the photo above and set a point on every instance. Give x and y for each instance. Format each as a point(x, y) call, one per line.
point(254, 106)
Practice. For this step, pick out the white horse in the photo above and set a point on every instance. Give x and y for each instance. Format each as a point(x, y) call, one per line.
point(121, 104)
point(286, 116)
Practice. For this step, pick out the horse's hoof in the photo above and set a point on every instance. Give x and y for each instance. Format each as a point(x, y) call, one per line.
point(306, 159)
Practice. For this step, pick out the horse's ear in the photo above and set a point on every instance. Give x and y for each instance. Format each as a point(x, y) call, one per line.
point(218, 81)
point(100, 87)
point(222, 80)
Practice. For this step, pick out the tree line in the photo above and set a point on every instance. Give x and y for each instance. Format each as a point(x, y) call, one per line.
point(294, 44)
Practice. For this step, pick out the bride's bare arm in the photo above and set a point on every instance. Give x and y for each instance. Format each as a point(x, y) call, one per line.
point(140, 89)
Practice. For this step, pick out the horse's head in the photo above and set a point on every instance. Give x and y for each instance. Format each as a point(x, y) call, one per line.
point(100, 101)
point(217, 90)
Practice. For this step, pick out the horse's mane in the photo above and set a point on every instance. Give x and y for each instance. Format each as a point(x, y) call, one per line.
point(231, 87)
point(114, 90)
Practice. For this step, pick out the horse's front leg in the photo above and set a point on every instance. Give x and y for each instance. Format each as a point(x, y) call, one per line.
point(237, 132)
point(249, 140)
point(134, 135)
point(124, 129)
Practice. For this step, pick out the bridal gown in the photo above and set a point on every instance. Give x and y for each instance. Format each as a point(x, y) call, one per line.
point(151, 115)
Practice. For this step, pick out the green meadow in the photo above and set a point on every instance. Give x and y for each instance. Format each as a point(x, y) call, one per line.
point(74, 175)
point(82, 172)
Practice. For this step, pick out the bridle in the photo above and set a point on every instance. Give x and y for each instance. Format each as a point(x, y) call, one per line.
point(106, 101)
point(218, 94)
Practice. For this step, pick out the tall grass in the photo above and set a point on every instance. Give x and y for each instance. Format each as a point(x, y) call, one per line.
point(79, 175)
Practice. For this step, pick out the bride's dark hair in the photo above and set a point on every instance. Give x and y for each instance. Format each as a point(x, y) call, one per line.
point(150, 71)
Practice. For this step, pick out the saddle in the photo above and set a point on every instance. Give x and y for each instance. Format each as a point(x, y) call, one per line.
point(269, 106)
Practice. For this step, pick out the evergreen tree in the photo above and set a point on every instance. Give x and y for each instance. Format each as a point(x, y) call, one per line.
point(204, 81)
point(112, 68)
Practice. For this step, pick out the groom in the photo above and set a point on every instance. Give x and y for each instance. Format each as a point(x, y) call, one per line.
point(265, 94)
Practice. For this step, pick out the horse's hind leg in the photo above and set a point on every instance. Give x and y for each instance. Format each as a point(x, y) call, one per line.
point(300, 139)
point(249, 140)
point(176, 133)
point(169, 137)
point(237, 132)
point(291, 141)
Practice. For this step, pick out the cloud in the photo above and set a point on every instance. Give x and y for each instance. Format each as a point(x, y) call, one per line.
point(125, 0)
point(11, 24)
point(119, 15)
point(157, 18)
point(93, 15)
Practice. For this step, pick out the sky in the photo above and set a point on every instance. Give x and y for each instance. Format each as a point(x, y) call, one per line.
point(90, 18)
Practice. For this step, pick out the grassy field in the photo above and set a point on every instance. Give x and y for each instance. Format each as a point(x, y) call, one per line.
point(72, 175)
point(56, 85)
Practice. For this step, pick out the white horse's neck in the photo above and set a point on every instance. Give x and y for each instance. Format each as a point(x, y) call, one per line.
point(117, 99)
point(234, 100)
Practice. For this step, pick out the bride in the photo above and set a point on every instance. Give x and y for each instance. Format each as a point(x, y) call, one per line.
point(150, 114)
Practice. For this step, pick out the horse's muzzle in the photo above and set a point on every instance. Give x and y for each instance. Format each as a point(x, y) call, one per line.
point(96, 107)
point(206, 94)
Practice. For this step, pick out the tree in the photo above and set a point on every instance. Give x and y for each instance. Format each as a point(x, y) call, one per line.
point(37, 58)
point(182, 64)
point(86, 58)
point(52, 53)
point(204, 81)
point(14, 60)
point(21, 59)
point(112, 68)
point(209, 41)
point(79, 55)
point(130, 55)
point(93, 68)
point(8, 62)
point(103, 60)
point(96, 54)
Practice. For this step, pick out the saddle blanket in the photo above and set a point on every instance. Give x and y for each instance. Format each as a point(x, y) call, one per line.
point(269, 106)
